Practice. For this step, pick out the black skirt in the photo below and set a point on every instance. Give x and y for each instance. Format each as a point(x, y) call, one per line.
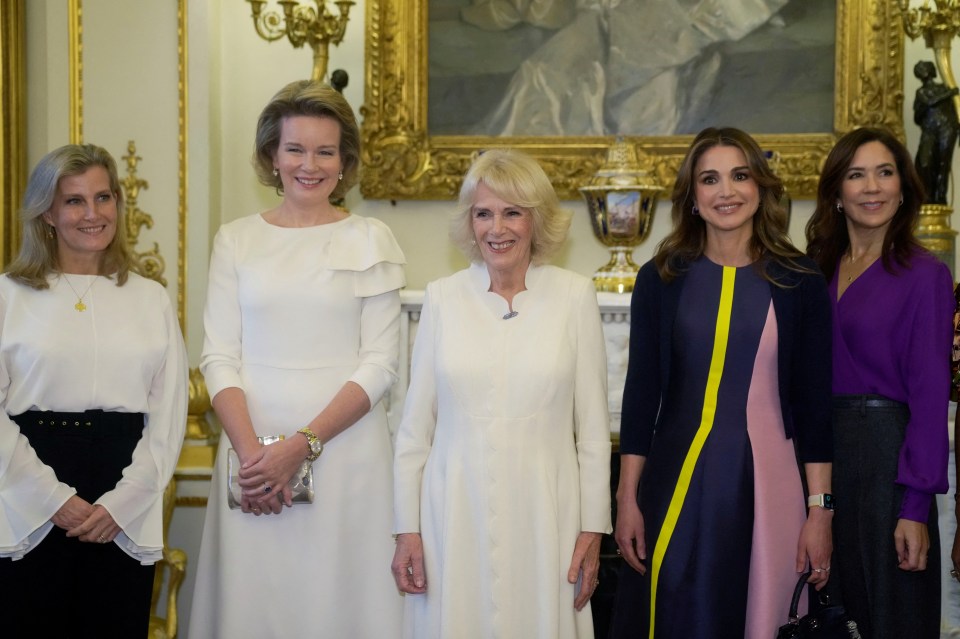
point(65, 587)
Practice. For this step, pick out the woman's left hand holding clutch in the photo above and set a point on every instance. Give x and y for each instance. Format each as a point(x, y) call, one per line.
point(265, 476)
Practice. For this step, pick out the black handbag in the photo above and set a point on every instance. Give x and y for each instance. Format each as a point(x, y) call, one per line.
point(830, 622)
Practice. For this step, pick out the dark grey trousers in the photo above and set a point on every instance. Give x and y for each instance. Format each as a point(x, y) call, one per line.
point(885, 601)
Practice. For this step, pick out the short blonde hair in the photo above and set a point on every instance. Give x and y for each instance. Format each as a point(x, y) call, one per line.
point(518, 179)
point(38, 256)
point(313, 99)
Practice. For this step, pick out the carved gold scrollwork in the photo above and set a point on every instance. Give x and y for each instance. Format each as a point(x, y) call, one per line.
point(403, 161)
point(199, 405)
point(150, 263)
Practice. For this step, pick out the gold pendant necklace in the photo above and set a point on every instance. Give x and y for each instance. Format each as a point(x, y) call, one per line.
point(857, 269)
point(80, 306)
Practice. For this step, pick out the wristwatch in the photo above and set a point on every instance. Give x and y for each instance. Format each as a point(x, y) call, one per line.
point(316, 446)
point(824, 500)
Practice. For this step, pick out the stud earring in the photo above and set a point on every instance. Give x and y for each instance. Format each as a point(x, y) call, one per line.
point(839, 207)
point(276, 171)
point(695, 210)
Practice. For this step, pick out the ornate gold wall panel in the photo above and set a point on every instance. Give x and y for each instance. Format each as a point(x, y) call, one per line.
point(183, 164)
point(403, 161)
point(75, 53)
point(13, 125)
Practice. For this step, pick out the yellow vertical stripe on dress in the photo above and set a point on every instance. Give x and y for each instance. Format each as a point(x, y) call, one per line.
point(706, 424)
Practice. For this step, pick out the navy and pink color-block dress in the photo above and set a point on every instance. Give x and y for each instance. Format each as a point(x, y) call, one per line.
point(721, 491)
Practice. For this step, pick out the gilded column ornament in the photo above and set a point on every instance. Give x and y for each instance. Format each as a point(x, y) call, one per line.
point(938, 26)
point(13, 148)
point(301, 25)
point(935, 107)
point(149, 263)
point(75, 52)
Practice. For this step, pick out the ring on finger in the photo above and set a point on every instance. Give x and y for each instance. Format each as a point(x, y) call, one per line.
point(267, 488)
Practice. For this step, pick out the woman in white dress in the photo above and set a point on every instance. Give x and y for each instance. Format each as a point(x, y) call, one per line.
point(503, 454)
point(302, 332)
point(93, 405)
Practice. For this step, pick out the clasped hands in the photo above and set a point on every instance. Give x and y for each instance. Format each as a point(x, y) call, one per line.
point(265, 476)
point(85, 521)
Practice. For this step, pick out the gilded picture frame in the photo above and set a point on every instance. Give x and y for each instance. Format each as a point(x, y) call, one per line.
point(402, 160)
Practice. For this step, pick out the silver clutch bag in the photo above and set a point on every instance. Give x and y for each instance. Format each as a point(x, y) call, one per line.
point(301, 484)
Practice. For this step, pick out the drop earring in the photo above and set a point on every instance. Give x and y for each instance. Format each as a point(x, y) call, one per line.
point(695, 210)
point(276, 171)
point(341, 175)
point(50, 232)
point(839, 207)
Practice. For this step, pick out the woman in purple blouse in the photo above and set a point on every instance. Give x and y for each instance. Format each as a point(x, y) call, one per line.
point(892, 308)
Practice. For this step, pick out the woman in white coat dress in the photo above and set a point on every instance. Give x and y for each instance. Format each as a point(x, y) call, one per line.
point(503, 453)
point(302, 332)
point(93, 405)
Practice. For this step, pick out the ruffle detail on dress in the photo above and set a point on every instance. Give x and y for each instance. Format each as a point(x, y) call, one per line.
point(367, 247)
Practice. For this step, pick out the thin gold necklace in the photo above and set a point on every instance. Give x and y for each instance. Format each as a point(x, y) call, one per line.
point(859, 268)
point(80, 306)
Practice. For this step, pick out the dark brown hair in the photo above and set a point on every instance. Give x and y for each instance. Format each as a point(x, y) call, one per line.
point(688, 239)
point(827, 238)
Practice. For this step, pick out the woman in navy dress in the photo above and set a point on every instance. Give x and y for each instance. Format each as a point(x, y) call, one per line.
point(727, 385)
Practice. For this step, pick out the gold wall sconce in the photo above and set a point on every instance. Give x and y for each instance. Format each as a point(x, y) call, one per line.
point(317, 27)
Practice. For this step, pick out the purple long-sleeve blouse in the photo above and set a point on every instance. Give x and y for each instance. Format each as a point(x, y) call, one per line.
point(892, 335)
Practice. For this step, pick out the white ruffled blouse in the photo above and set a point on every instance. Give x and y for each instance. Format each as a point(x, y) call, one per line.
point(124, 353)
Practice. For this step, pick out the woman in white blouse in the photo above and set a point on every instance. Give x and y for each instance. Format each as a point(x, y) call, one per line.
point(93, 389)
point(302, 332)
point(503, 453)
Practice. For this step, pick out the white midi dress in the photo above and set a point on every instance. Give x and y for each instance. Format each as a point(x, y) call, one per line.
point(503, 455)
point(292, 315)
